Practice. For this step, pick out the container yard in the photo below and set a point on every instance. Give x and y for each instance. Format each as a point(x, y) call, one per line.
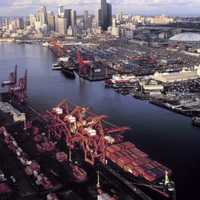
point(45, 146)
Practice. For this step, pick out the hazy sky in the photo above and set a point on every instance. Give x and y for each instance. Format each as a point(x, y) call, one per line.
point(146, 7)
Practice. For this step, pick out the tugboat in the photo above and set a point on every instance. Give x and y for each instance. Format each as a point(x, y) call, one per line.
point(68, 73)
point(56, 66)
point(196, 121)
point(45, 44)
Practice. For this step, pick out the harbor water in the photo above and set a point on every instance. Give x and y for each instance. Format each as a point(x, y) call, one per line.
point(167, 137)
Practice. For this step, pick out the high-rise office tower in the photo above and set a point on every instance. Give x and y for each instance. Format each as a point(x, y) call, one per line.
point(67, 16)
point(73, 22)
point(19, 23)
point(51, 21)
point(61, 25)
point(105, 15)
point(32, 20)
point(73, 18)
point(86, 19)
point(109, 14)
point(61, 11)
point(41, 16)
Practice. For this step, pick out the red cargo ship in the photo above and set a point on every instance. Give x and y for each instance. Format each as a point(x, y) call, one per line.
point(88, 128)
point(132, 160)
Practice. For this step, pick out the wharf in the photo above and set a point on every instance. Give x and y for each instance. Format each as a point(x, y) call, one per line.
point(23, 188)
point(100, 78)
point(32, 115)
point(134, 191)
point(176, 109)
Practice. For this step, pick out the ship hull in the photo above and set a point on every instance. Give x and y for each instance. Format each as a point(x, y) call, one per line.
point(68, 73)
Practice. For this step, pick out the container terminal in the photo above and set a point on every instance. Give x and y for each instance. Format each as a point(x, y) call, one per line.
point(165, 76)
point(66, 147)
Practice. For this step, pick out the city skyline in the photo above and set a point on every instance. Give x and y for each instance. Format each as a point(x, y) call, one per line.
point(143, 7)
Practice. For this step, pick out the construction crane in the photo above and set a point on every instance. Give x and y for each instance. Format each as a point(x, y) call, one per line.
point(19, 90)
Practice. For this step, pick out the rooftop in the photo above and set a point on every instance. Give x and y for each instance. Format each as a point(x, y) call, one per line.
point(186, 37)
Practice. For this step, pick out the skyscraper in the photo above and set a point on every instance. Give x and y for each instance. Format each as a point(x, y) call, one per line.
point(73, 18)
point(51, 21)
point(61, 11)
point(86, 19)
point(105, 15)
point(67, 16)
point(41, 16)
point(104, 12)
point(61, 25)
point(109, 14)
point(19, 23)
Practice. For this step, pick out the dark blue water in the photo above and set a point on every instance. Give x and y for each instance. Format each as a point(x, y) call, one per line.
point(166, 136)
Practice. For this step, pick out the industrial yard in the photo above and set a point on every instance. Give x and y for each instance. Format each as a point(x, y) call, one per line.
point(166, 75)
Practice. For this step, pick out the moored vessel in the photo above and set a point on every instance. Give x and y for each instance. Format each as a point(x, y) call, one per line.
point(56, 66)
point(68, 73)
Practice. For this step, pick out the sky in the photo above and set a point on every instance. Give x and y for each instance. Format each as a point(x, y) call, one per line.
point(135, 7)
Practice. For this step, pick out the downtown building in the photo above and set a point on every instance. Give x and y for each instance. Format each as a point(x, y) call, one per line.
point(66, 20)
point(51, 21)
point(105, 15)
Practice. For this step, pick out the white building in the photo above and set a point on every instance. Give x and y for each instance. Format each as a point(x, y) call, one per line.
point(61, 25)
point(32, 20)
point(183, 75)
point(115, 29)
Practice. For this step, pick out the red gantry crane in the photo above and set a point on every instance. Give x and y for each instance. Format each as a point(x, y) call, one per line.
point(79, 126)
point(12, 79)
point(84, 65)
point(19, 90)
point(57, 47)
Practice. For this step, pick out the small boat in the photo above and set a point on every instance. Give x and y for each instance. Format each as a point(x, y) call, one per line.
point(68, 73)
point(45, 44)
point(56, 66)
